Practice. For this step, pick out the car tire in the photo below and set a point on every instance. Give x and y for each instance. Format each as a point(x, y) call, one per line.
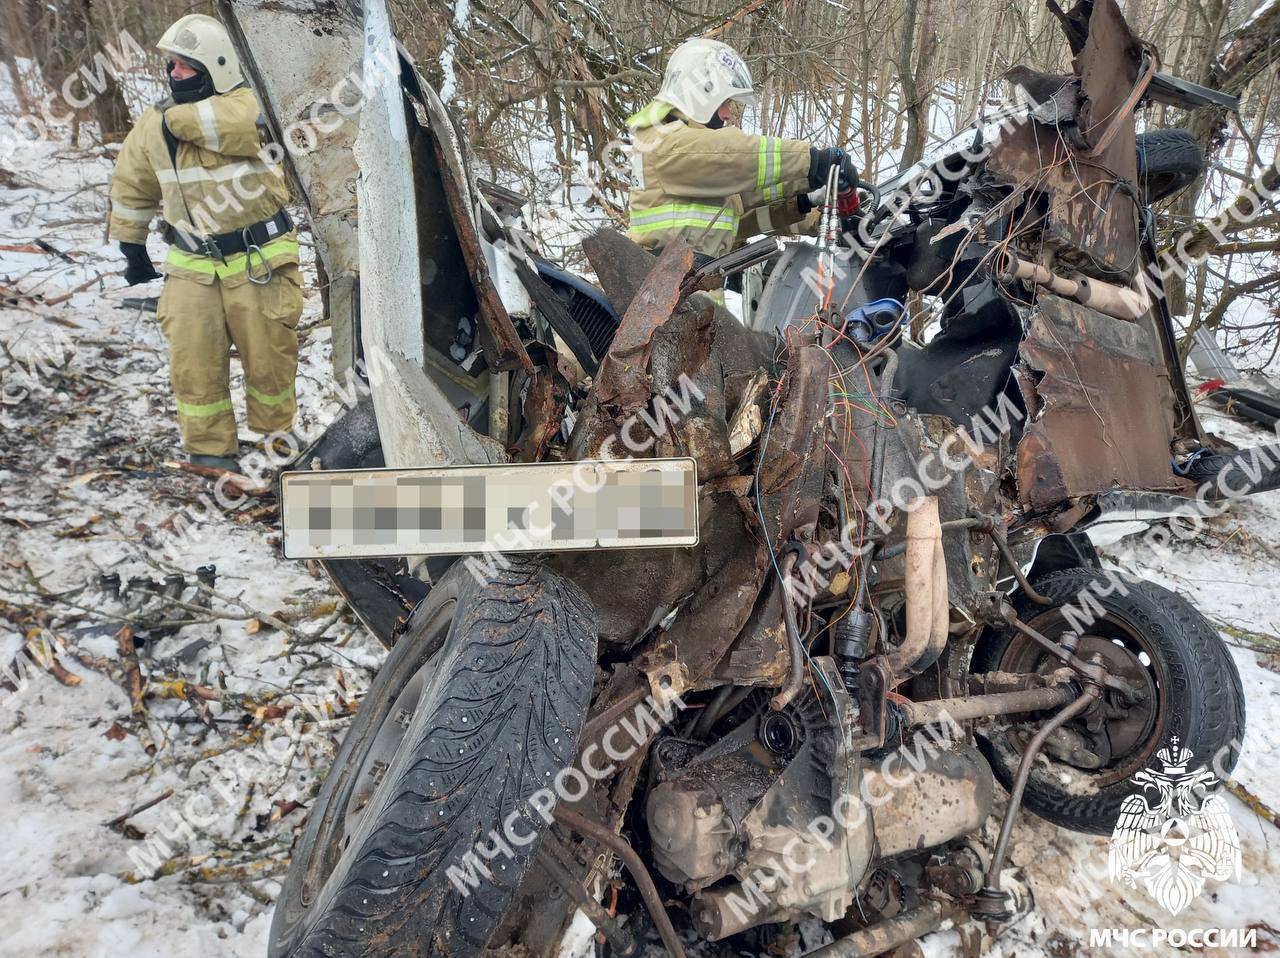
point(1197, 693)
point(1232, 475)
point(478, 706)
point(1168, 162)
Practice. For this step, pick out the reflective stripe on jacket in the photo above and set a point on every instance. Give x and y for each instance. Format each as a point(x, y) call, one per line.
point(706, 186)
point(218, 180)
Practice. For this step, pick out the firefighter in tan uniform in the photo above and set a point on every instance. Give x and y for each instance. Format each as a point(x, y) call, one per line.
point(231, 273)
point(696, 177)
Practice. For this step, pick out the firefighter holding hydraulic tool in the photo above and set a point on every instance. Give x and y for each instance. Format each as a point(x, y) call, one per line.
point(231, 273)
point(698, 177)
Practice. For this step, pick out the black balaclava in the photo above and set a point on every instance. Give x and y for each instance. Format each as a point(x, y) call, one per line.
point(193, 88)
point(716, 121)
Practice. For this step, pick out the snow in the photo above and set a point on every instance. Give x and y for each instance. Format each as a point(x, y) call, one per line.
point(84, 491)
point(459, 24)
point(1261, 10)
point(87, 421)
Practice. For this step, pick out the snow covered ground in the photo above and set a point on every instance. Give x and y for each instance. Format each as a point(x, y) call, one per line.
point(87, 425)
point(274, 663)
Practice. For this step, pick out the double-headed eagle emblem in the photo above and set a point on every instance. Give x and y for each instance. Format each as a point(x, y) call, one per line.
point(1175, 834)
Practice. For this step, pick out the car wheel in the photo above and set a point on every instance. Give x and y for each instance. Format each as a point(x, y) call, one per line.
point(1168, 162)
point(1187, 687)
point(478, 706)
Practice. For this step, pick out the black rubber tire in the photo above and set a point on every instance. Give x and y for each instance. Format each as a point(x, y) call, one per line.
point(1247, 472)
point(508, 684)
point(1203, 699)
point(1168, 162)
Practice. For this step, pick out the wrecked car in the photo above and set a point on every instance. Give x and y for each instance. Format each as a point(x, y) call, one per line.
point(861, 544)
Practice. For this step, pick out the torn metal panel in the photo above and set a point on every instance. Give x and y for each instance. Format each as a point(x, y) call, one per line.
point(544, 406)
point(689, 410)
point(1088, 226)
point(499, 339)
point(796, 446)
point(716, 613)
point(1090, 220)
point(799, 419)
point(702, 358)
point(1110, 65)
point(619, 264)
point(1100, 406)
point(761, 653)
point(727, 565)
point(312, 101)
point(624, 379)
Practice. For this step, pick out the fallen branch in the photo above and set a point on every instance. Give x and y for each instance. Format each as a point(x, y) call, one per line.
point(1255, 804)
point(55, 300)
point(117, 824)
point(134, 686)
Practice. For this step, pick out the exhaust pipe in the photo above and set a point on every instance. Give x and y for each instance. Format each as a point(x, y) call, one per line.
point(1118, 302)
point(928, 602)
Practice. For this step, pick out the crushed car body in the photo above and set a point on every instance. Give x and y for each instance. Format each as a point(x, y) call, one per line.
point(889, 540)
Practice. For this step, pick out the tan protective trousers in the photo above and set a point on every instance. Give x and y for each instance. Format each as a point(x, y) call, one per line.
point(201, 322)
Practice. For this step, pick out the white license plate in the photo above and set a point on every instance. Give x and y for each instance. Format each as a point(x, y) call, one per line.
point(462, 510)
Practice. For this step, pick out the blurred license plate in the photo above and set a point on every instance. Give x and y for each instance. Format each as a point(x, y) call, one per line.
point(459, 510)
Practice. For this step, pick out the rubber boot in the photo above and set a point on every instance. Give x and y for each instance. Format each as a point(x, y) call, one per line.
point(215, 462)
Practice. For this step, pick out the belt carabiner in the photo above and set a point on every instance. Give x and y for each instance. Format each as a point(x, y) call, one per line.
point(250, 248)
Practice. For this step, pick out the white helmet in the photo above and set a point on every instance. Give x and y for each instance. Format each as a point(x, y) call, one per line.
point(701, 75)
point(203, 41)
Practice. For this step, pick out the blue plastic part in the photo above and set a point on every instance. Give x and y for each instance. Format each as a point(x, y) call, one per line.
point(871, 321)
point(1185, 468)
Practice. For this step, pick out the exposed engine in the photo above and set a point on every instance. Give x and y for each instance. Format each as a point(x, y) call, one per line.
point(770, 822)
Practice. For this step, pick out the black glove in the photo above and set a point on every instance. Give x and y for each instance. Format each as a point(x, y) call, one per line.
point(848, 172)
point(139, 268)
point(820, 163)
point(803, 204)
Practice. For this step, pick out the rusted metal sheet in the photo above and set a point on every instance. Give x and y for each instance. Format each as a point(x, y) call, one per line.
point(760, 655)
point(705, 348)
point(1100, 407)
point(1091, 221)
point(624, 373)
point(619, 264)
point(543, 409)
point(700, 362)
point(714, 616)
point(1109, 65)
point(798, 419)
point(796, 446)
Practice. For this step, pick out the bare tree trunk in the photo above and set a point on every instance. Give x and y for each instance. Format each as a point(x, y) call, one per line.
point(1228, 67)
point(71, 42)
point(109, 107)
point(16, 40)
point(907, 83)
point(916, 83)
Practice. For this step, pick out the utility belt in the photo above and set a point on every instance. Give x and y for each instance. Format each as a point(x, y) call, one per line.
point(249, 239)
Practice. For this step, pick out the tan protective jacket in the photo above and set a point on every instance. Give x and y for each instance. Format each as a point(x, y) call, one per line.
point(217, 181)
point(715, 189)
